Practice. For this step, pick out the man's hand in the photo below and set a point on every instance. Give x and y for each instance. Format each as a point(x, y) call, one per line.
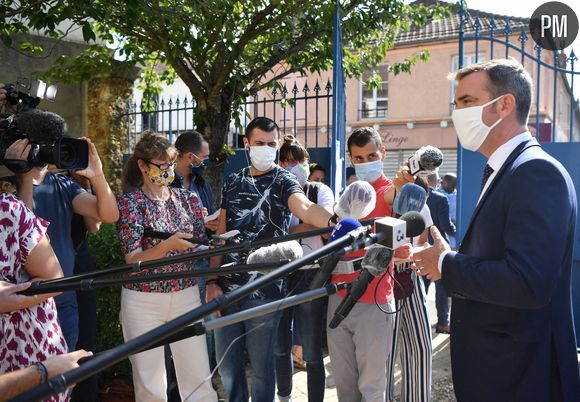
point(95, 166)
point(10, 300)
point(19, 149)
point(402, 177)
point(213, 291)
point(427, 259)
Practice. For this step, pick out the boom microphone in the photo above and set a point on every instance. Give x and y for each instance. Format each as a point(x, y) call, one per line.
point(289, 250)
point(376, 261)
point(411, 197)
point(425, 161)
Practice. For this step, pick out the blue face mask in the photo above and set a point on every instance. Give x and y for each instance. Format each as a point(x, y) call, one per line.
point(198, 170)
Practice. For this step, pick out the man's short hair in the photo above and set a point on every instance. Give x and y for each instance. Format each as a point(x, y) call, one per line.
point(505, 76)
point(189, 141)
point(263, 123)
point(361, 136)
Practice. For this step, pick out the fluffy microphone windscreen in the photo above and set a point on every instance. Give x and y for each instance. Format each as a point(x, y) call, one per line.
point(377, 258)
point(415, 223)
point(430, 158)
point(288, 250)
point(40, 126)
point(357, 201)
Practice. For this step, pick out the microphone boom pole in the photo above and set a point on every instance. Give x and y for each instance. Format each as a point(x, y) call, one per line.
point(235, 248)
point(61, 382)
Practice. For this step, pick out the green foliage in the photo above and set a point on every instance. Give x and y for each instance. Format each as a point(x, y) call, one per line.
point(105, 248)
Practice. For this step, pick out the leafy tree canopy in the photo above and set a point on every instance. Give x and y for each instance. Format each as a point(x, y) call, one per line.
point(223, 50)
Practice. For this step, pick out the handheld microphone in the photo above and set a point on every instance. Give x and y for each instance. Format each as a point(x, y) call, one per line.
point(377, 259)
point(357, 201)
point(375, 262)
point(341, 229)
point(411, 197)
point(425, 161)
point(148, 232)
point(289, 250)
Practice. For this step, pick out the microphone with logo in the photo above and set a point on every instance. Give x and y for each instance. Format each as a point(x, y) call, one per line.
point(341, 229)
point(425, 161)
point(378, 258)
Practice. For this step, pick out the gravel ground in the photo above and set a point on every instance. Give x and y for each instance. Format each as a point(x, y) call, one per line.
point(443, 390)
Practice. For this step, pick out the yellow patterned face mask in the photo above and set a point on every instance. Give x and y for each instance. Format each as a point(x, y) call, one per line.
point(162, 175)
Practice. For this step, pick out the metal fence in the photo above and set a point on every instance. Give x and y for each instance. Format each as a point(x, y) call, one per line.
point(500, 34)
point(304, 112)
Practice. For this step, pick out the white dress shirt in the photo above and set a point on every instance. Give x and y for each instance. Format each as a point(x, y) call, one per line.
point(495, 161)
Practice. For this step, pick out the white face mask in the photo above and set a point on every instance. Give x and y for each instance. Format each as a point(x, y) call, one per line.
point(301, 171)
point(471, 130)
point(369, 171)
point(262, 157)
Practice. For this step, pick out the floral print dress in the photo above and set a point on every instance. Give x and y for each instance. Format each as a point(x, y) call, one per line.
point(180, 213)
point(32, 334)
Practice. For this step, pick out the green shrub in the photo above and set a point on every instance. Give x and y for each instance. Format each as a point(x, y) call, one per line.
point(105, 248)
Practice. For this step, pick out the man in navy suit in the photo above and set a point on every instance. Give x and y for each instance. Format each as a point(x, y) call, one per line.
point(439, 207)
point(513, 334)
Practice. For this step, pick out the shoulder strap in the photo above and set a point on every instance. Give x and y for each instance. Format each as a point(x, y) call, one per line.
point(312, 192)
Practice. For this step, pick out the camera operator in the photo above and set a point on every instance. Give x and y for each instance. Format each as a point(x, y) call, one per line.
point(55, 198)
point(5, 106)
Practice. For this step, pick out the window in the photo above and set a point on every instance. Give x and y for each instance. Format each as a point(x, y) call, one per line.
point(374, 101)
point(468, 60)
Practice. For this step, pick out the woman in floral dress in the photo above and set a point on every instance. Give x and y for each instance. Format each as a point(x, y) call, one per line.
point(29, 328)
point(152, 204)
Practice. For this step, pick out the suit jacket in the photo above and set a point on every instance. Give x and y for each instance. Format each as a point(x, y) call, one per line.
point(439, 206)
point(512, 335)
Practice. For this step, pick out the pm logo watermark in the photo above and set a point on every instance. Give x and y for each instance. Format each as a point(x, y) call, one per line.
point(554, 26)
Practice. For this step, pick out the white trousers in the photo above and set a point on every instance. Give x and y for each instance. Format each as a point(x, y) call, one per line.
point(141, 312)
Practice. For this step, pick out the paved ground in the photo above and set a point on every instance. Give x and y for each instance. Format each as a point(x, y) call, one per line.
point(441, 368)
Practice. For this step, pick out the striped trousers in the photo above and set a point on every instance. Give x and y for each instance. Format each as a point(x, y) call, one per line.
point(412, 339)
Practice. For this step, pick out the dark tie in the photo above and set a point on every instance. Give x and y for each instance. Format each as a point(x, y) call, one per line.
point(486, 173)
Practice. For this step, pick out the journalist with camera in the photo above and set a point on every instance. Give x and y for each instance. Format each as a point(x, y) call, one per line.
point(32, 140)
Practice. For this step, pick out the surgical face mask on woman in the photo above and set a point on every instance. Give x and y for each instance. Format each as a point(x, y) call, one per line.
point(471, 130)
point(369, 171)
point(161, 175)
point(301, 171)
point(262, 157)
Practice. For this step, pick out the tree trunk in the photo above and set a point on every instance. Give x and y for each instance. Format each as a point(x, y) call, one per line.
point(213, 123)
point(107, 128)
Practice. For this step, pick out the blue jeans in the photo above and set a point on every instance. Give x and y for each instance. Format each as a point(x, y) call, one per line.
point(309, 322)
point(258, 336)
point(442, 304)
point(68, 317)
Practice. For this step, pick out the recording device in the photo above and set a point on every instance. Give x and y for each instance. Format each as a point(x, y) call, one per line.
point(357, 201)
point(375, 262)
point(425, 161)
point(27, 93)
point(380, 259)
point(289, 250)
point(148, 232)
point(47, 135)
point(411, 197)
